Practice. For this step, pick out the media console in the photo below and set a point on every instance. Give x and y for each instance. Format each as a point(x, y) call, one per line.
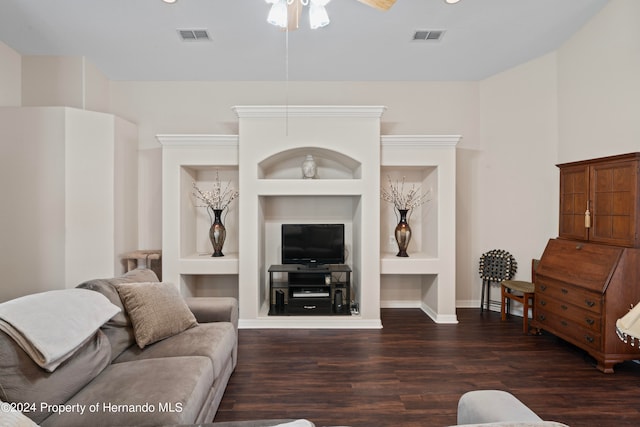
point(300, 290)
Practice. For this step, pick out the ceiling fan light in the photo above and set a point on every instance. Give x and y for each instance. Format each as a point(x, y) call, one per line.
point(278, 14)
point(451, 1)
point(320, 2)
point(318, 16)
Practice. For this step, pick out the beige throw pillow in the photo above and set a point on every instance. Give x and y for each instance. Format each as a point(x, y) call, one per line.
point(157, 311)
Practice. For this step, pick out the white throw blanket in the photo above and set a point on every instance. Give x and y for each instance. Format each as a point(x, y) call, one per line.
point(51, 326)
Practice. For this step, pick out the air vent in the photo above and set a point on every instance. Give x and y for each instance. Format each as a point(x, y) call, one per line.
point(428, 35)
point(194, 35)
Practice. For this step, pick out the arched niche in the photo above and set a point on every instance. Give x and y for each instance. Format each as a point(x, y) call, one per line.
point(288, 164)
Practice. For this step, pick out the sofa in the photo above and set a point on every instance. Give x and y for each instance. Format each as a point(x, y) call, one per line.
point(497, 408)
point(156, 358)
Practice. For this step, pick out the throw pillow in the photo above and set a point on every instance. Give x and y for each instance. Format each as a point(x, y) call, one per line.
point(157, 311)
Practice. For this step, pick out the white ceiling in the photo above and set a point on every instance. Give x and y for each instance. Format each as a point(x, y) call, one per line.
point(137, 39)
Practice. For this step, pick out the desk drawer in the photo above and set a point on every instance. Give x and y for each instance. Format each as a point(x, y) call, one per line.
point(565, 328)
point(580, 297)
point(584, 318)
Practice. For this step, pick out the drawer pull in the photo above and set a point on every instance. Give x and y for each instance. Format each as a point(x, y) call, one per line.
point(543, 303)
point(563, 323)
point(588, 338)
point(543, 287)
point(310, 307)
point(542, 317)
point(564, 291)
point(564, 307)
point(589, 303)
point(590, 322)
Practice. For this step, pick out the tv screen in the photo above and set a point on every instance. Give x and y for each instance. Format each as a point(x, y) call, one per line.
point(313, 244)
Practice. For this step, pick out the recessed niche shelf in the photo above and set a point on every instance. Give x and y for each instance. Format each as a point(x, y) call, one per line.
point(195, 220)
point(423, 219)
point(417, 263)
point(204, 263)
point(210, 285)
point(331, 165)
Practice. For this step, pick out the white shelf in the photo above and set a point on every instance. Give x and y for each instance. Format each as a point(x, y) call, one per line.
point(353, 162)
point(263, 320)
point(418, 263)
point(206, 264)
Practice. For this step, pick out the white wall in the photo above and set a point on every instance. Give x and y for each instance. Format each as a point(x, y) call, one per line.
point(68, 210)
point(32, 171)
point(205, 107)
point(576, 103)
point(508, 197)
point(599, 85)
point(68, 81)
point(10, 77)
point(49, 81)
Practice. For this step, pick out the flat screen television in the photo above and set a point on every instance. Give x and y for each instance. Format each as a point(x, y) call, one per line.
point(312, 244)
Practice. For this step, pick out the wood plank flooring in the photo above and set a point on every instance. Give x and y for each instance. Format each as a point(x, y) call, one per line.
point(413, 371)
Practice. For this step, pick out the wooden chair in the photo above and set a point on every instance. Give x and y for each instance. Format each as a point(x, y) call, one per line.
point(521, 291)
point(496, 266)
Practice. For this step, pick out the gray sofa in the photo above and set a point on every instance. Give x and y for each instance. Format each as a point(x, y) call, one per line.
point(479, 408)
point(110, 380)
point(497, 408)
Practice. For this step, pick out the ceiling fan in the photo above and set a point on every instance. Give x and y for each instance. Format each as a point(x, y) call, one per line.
point(286, 13)
point(379, 4)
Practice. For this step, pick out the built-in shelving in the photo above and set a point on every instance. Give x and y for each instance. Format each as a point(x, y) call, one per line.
point(426, 279)
point(187, 260)
point(330, 165)
point(353, 164)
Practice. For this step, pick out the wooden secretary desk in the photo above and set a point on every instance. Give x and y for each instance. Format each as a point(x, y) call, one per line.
point(589, 276)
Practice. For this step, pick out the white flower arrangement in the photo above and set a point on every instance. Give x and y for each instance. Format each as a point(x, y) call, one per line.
point(402, 200)
point(218, 198)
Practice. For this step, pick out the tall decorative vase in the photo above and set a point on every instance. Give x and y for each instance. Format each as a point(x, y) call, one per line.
point(403, 233)
point(217, 233)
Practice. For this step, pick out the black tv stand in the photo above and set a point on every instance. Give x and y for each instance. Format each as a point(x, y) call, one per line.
point(299, 290)
point(313, 267)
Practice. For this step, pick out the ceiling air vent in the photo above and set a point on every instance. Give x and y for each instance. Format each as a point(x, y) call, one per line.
point(194, 35)
point(428, 35)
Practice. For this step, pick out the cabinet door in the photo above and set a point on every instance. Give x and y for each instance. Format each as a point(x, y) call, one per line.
point(574, 196)
point(614, 203)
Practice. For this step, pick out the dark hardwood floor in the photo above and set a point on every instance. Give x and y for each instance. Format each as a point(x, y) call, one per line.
point(413, 371)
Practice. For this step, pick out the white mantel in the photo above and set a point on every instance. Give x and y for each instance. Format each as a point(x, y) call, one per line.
point(354, 159)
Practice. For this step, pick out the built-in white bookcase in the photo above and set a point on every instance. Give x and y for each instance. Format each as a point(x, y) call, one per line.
point(187, 261)
point(353, 162)
point(425, 279)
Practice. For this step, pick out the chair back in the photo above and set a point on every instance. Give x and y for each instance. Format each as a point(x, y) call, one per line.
point(497, 265)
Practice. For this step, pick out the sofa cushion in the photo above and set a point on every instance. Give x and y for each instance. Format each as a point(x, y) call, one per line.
point(213, 340)
point(143, 393)
point(497, 408)
point(118, 329)
point(22, 380)
point(157, 311)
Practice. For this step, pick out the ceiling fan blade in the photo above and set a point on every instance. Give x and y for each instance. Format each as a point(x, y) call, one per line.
point(379, 4)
